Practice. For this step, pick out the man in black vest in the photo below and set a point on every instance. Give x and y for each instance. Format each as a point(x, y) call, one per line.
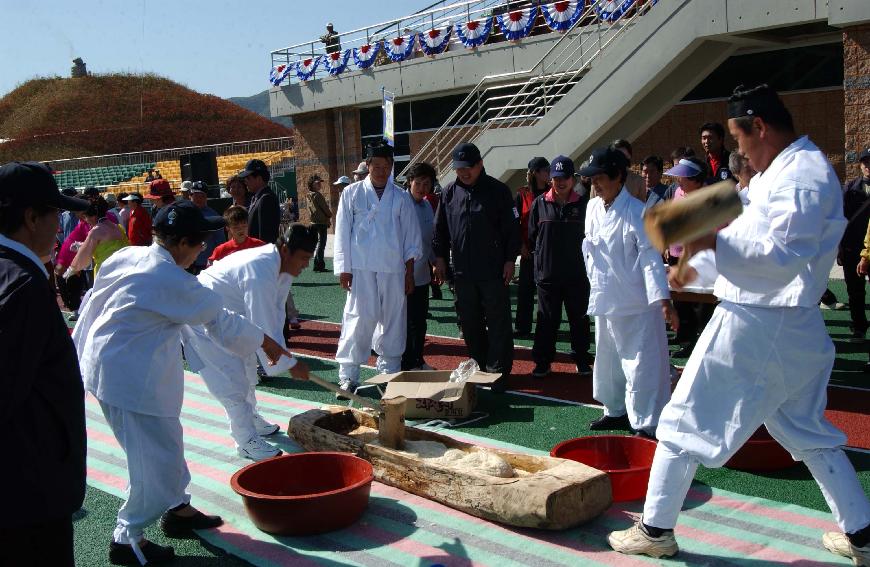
point(42, 409)
point(856, 209)
point(477, 221)
point(264, 215)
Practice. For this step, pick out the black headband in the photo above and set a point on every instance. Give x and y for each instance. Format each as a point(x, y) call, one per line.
point(760, 101)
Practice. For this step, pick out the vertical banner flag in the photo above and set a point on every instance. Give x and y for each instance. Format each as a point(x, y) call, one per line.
point(389, 131)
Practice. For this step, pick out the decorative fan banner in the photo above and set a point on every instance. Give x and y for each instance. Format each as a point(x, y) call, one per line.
point(336, 62)
point(560, 16)
point(434, 42)
point(279, 73)
point(305, 68)
point(611, 10)
point(517, 24)
point(400, 48)
point(364, 56)
point(475, 32)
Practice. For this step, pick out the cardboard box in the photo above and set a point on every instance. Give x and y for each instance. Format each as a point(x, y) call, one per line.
point(430, 393)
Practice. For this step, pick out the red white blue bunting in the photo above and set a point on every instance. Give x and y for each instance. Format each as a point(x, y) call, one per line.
point(400, 48)
point(435, 41)
point(364, 56)
point(611, 10)
point(305, 68)
point(517, 24)
point(475, 32)
point(279, 73)
point(560, 16)
point(336, 62)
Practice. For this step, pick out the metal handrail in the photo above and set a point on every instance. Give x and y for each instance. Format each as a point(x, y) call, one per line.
point(148, 156)
point(546, 82)
point(419, 21)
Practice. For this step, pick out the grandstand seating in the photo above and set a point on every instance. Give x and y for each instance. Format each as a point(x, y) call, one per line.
point(100, 176)
point(228, 165)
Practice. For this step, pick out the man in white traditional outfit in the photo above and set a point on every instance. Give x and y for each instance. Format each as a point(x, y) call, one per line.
point(128, 340)
point(377, 241)
point(628, 297)
point(254, 283)
point(765, 357)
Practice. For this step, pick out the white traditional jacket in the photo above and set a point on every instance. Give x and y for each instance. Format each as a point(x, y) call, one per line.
point(250, 282)
point(128, 336)
point(378, 235)
point(626, 274)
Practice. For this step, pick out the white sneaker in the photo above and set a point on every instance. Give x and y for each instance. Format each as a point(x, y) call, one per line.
point(838, 543)
point(834, 307)
point(347, 386)
point(265, 428)
point(257, 450)
point(635, 541)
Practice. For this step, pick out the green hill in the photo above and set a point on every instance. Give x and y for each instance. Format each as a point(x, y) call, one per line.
point(53, 118)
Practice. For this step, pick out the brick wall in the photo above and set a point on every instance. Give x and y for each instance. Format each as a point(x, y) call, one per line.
point(818, 114)
point(326, 143)
point(856, 93)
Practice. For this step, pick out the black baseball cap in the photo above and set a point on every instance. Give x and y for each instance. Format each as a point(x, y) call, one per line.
point(183, 217)
point(31, 183)
point(254, 167)
point(198, 187)
point(538, 163)
point(69, 192)
point(465, 154)
point(865, 153)
point(91, 192)
point(562, 166)
point(602, 160)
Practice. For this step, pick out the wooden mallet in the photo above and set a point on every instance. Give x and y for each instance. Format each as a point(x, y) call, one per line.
point(700, 212)
point(391, 413)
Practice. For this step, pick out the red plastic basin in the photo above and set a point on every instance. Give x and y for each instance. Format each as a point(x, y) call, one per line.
point(305, 493)
point(626, 460)
point(761, 453)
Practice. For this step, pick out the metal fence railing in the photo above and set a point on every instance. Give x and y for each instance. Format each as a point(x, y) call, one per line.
point(154, 156)
point(511, 100)
point(439, 15)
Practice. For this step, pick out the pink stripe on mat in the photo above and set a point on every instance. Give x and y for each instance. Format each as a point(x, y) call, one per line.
point(107, 478)
point(272, 399)
point(780, 515)
point(744, 548)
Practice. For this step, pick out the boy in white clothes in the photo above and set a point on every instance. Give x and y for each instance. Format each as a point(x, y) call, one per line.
point(254, 283)
point(628, 296)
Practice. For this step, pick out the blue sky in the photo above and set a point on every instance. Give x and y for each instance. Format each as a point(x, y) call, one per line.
point(213, 46)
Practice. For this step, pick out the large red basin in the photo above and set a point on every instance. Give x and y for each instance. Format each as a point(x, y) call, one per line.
point(761, 453)
point(626, 460)
point(305, 493)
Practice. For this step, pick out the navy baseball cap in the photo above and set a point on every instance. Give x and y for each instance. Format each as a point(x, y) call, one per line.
point(864, 154)
point(198, 187)
point(465, 154)
point(538, 163)
point(31, 183)
point(562, 166)
point(254, 167)
point(183, 217)
point(603, 159)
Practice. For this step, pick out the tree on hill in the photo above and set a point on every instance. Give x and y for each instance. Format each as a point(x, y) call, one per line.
point(54, 118)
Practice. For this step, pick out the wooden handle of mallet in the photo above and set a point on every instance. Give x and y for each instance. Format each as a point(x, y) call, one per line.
point(363, 402)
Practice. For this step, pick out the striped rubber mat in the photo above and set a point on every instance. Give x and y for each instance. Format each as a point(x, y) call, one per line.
point(717, 527)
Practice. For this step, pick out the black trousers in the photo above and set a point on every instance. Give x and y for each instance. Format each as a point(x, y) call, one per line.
point(49, 544)
point(71, 290)
point(418, 306)
point(551, 296)
point(855, 289)
point(693, 318)
point(484, 310)
point(525, 296)
point(319, 262)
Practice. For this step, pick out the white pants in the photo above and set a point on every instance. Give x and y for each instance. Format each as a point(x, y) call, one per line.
point(754, 366)
point(375, 300)
point(231, 380)
point(155, 463)
point(631, 372)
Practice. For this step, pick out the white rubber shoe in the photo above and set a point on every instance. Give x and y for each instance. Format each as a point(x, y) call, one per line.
point(347, 386)
point(265, 428)
point(635, 541)
point(838, 543)
point(257, 450)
